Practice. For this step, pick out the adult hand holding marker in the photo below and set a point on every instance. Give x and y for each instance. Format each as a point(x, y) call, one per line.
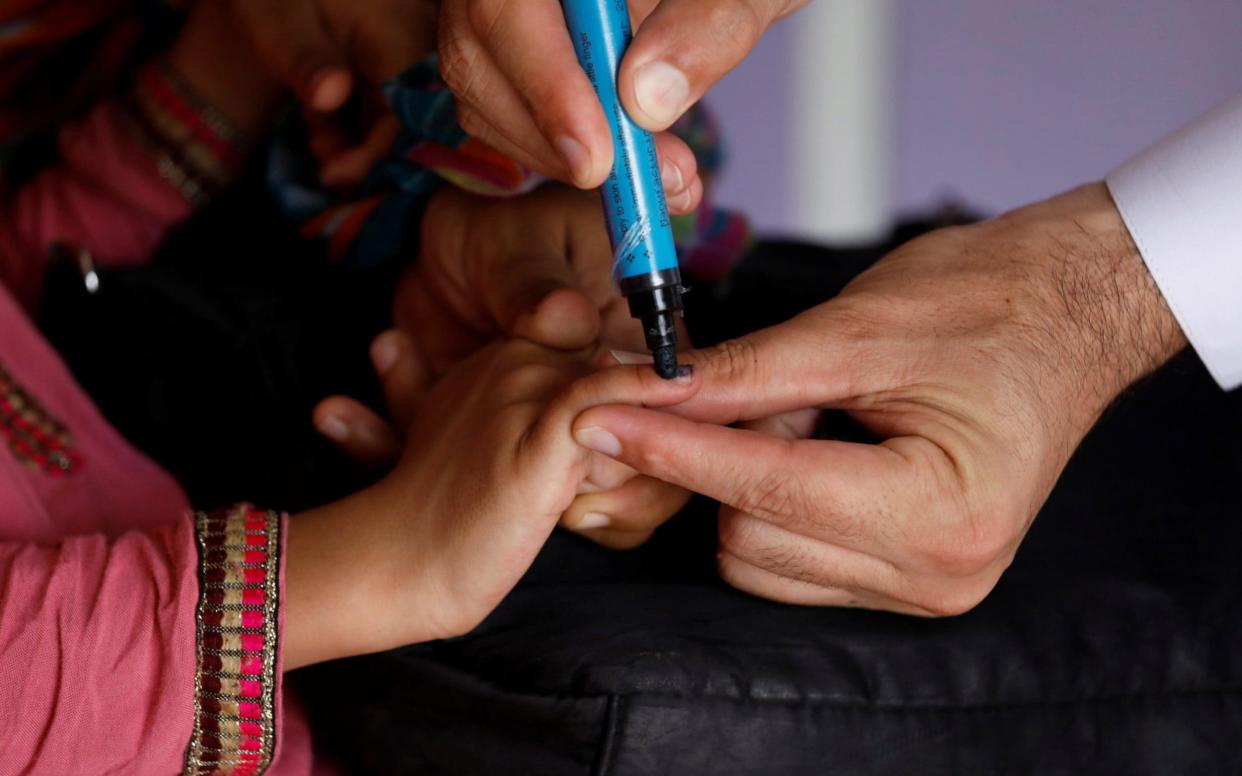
point(512, 67)
point(645, 258)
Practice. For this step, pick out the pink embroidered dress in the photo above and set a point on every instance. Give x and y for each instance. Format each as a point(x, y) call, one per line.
point(135, 636)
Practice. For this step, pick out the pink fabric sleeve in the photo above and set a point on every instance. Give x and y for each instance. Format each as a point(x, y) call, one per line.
point(106, 195)
point(154, 652)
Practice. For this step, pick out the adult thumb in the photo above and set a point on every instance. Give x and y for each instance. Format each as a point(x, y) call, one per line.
point(686, 46)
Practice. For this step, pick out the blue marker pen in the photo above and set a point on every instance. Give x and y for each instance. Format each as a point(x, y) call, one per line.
point(644, 257)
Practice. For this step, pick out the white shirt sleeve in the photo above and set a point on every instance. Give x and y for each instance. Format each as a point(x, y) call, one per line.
point(1182, 201)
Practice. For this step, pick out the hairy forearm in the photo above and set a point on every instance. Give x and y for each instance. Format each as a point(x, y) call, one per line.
point(1105, 316)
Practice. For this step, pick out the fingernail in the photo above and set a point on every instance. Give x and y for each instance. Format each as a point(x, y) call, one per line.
point(383, 355)
point(672, 179)
point(330, 88)
point(685, 373)
point(333, 428)
point(600, 440)
point(593, 520)
point(681, 202)
point(662, 91)
point(576, 157)
point(626, 357)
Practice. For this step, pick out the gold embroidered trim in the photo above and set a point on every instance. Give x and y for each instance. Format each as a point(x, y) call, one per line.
point(35, 437)
point(234, 730)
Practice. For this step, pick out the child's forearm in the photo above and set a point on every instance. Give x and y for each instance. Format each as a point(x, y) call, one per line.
point(348, 589)
point(333, 584)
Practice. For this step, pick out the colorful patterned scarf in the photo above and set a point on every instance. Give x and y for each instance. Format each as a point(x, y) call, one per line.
point(433, 149)
point(57, 57)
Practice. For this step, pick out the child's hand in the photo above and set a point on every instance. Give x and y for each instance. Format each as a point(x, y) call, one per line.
point(368, 439)
point(488, 469)
point(484, 477)
point(332, 54)
point(537, 266)
point(615, 505)
point(320, 49)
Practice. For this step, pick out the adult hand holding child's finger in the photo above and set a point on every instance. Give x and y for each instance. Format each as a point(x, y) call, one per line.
point(537, 267)
point(614, 504)
point(981, 356)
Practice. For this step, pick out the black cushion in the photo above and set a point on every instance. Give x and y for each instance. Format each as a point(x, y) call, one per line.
point(1112, 645)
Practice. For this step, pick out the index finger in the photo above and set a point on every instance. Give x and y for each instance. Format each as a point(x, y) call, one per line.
point(529, 44)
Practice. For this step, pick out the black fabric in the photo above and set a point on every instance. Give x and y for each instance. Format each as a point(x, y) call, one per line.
point(212, 358)
point(1111, 645)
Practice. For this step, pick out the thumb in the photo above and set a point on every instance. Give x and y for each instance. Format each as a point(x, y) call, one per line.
point(727, 464)
point(843, 489)
point(538, 301)
point(291, 39)
point(359, 433)
point(686, 46)
point(403, 375)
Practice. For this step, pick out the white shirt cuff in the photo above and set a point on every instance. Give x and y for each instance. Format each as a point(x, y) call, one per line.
point(1182, 201)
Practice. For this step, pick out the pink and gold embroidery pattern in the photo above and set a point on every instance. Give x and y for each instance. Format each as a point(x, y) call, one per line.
point(235, 685)
point(196, 149)
point(35, 438)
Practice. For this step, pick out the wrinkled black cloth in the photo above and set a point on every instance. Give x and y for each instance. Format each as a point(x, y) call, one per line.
point(1112, 646)
point(212, 358)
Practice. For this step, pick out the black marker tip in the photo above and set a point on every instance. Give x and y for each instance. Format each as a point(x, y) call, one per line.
point(666, 361)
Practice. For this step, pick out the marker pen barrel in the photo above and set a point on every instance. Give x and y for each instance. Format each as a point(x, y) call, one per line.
point(644, 256)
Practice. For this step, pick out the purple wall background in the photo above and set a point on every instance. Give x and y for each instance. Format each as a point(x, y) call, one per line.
point(1002, 101)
